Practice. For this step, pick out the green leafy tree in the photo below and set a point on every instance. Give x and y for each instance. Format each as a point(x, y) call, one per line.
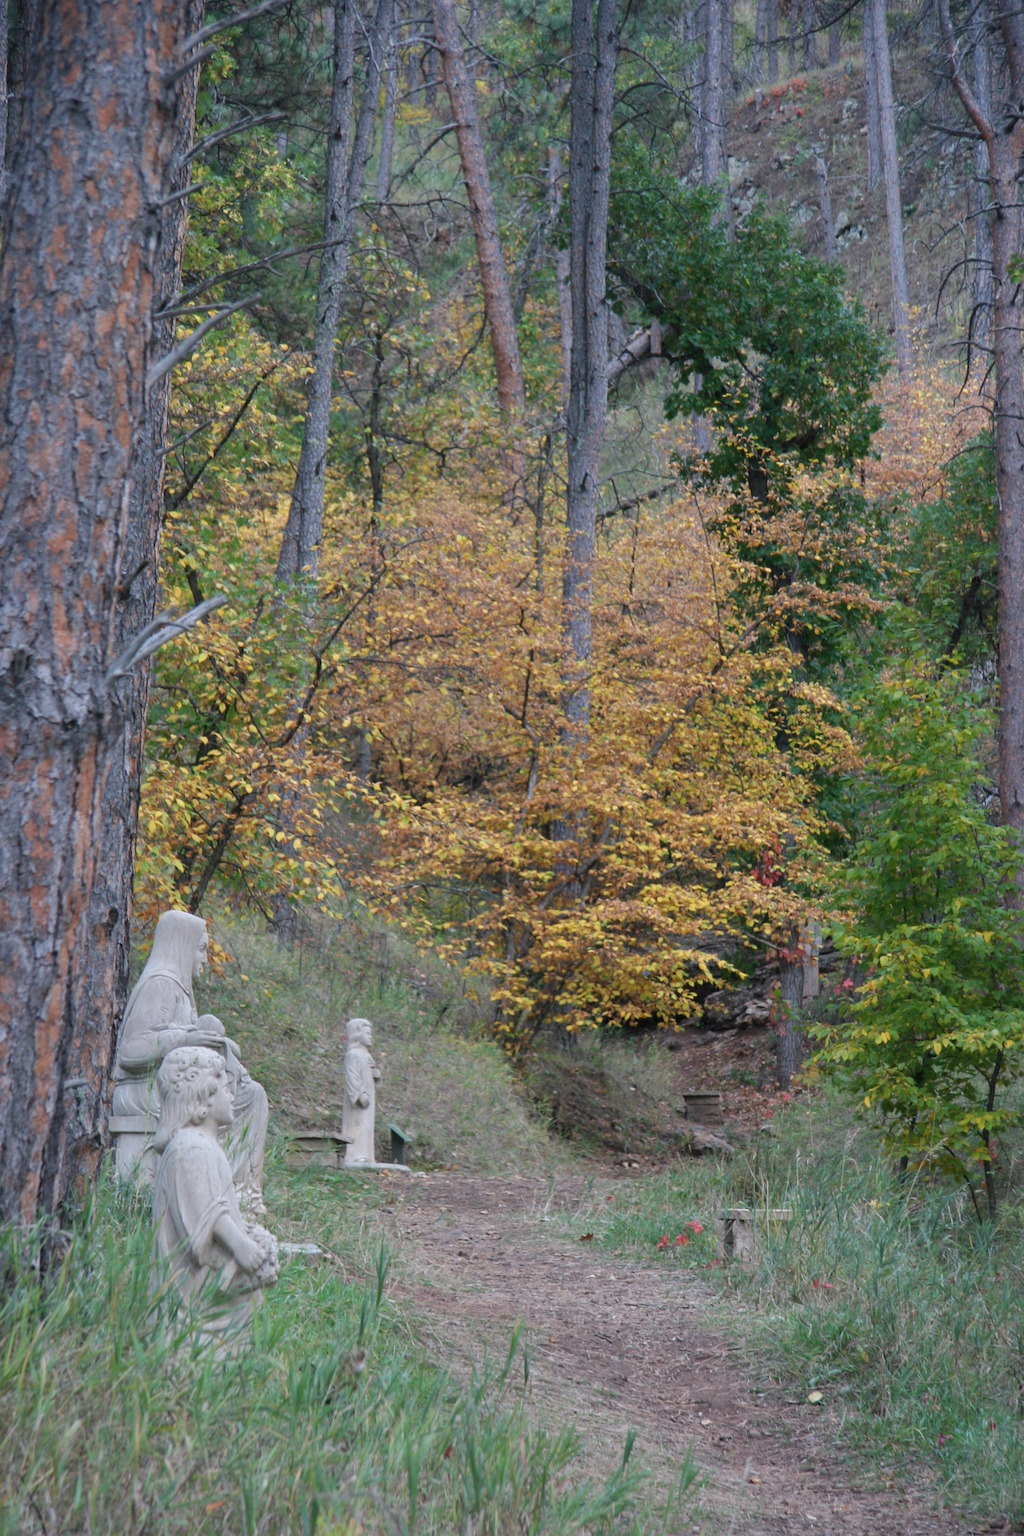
point(937, 1024)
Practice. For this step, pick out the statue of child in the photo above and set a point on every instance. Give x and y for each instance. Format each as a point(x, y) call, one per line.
point(198, 1229)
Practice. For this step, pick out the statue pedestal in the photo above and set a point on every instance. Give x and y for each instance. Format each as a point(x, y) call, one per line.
point(375, 1168)
point(134, 1157)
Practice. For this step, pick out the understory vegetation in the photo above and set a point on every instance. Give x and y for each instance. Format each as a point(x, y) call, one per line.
point(115, 1418)
point(884, 1295)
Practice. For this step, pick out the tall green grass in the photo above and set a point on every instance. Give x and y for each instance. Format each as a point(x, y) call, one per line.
point(886, 1294)
point(114, 1419)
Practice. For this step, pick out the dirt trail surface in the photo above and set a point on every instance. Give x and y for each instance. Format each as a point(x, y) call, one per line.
point(616, 1345)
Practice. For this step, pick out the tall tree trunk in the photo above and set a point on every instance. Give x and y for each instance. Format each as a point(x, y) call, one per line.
point(300, 546)
point(110, 899)
point(1003, 133)
point(810, 36)
point(893, 197)
point(712, 156)
point(695, 34)
point(773, 41)
point(387, 131)
point(871, 111)
point(501, 323)
point(835, 40)
point(93, 155)
point(981, 318)
point(825, 198)
point(760, 41)
point(594, 54)
point(794, 27)
point(789, 1052)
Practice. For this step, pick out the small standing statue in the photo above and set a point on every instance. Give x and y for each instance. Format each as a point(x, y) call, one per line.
point(198, 1230)
point(361, 1078)
point(161, 1016)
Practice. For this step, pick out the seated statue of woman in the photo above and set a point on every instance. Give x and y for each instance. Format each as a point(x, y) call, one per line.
point(161, 1016)
point(199, 1234)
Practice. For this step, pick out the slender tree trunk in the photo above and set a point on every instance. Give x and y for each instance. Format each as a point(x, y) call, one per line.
point(810, 36)
point(760, 41)
point(789, 1038)
point(835, 40)
point(893, 197)
point(695, 23)
point(712, 156)
point(303, 533)
point(981, 318)
point(825, 198)
point(93, 153)
point(871, 110)
point(1004, 140)
point(501, 323)
point(387, 132)
point(593, 77)
point(728, 66)
point(794, 27)
point(773, 41)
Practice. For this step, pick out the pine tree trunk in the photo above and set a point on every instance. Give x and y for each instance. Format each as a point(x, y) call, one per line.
point(1003, 132)
point(387, 132)
point(93, 152)
point(834, 42)
point(501, 323)
point(825, 198)
point(773, 41)
point(300, 546)
point(810, 36)
point(893, 198)
point(712, 156)
point(871, 111)
point(789, 1038)
point(593, 79)
point(760, 41)
point(981, 318)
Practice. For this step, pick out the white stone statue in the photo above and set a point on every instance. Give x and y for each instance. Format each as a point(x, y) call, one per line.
point(161, 1016)
point(360, 1105)
point(216, 1258)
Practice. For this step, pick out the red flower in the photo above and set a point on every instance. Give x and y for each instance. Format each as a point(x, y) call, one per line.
point(785, 1098)
point(695, 1227)
point(664, 1241)
point(681, 1241)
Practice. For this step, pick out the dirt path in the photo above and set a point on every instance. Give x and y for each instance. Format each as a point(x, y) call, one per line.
point(616, 1345)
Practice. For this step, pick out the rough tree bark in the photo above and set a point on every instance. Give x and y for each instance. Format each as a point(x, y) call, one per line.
point(303, 532)
point(1002, 129)
point(893, 196)
point(835, 39)
point(789, 1053)
point(773, 41)
point(713, 137)
point(760, 40)
point(501, 324)
point(594, 52)
point(4, 50)
point(80, 271)
point(810, 22)
point(387, 130)
point(981, 318)
point(871, 113)
point(110, 900)
point(825, 199)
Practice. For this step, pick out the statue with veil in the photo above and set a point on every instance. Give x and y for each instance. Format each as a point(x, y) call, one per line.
point(161, 1016)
